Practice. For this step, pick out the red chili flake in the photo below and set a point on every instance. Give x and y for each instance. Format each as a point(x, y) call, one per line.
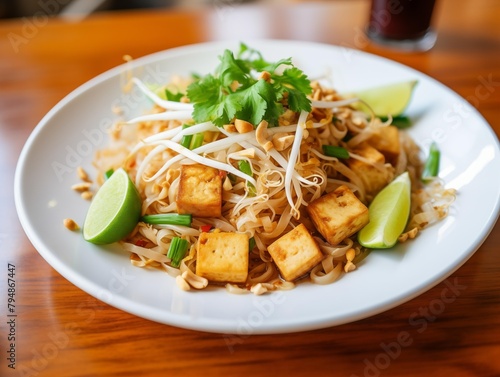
point(141, 243)
point(205, 228)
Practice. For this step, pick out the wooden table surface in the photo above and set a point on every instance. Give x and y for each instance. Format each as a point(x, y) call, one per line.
point(62, 331)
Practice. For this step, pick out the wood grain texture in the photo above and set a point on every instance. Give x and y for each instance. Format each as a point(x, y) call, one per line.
point(62, 331)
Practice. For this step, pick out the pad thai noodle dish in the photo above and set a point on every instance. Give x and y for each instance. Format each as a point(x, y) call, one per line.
point(255, 177)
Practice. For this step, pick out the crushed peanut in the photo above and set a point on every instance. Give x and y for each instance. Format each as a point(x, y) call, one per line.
point(71, 224)
point(350, 254)
point(181, 283)
point(87, 195)
point(194, 280)
point(349, 267)
point(116, 131)
point(266, 76)
point(243, 126)
point(411, 234)
point(117, 110)
point(258, 289)
point(81, 187)
point(227, 185)
point(282, 141)
point(229, 127)
point(83, 174)
point(261, 136)
point(249, 152)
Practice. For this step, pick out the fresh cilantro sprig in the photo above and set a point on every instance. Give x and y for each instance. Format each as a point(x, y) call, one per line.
point(235, 90)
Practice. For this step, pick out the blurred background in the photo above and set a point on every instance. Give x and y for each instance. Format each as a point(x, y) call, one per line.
point(23, 8)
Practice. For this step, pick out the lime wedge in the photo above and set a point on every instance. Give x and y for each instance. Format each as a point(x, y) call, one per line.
point(114, 212)
point(388, 213)
point(386, 100)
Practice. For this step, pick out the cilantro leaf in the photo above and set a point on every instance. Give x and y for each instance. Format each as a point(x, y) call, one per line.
point(274, 108)
point(231, 70)
point(259, 64)
point(210, 101)
point(294, 77)
point(246, 55)
point(272, 67)
point(235, 92)
point(255, 100)
point(294, 82)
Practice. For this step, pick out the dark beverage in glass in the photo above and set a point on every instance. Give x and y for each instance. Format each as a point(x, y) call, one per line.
point(402, 23)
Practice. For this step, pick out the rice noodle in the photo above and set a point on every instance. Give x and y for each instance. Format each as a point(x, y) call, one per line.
point(145, 252)
point(326, 272)
point(270, 202)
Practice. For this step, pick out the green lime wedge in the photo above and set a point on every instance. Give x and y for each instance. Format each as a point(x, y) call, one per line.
point(388, 213)
point(386, 100)
point(114, 212)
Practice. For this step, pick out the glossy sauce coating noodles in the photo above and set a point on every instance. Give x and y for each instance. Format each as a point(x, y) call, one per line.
point(288, 170)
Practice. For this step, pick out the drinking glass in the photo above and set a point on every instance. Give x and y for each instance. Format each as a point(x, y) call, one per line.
point(402, 24)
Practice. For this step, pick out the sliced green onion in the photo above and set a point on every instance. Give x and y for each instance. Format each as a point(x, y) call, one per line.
point(348, 136)
point(400, 121)
point(186, 139)
point(171, 96)
point(245, 167)
point(108, 173)
point(197, 141)
point(335, 151)
point(177, 251)
point(168, 219)
point(251, 243)
point(431, 167)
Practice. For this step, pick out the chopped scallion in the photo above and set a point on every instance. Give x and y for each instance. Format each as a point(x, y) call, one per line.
point(108, 173)
point(251, 243)
point(348, 136)
point(168, 218)
point(186, 139)
point(171, 96)
point(431, 167)
point(245, 167)
point(177, 251)
point(335, 151)
point(197, 140)
point(400, 121)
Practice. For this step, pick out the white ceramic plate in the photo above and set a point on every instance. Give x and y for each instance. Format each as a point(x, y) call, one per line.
point(74, 129)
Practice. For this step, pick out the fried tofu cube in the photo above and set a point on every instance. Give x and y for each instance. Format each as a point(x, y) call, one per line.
point(386, 141)
point(295, 253)
point(200, 191)
point(223, 257)
point(338, 214)
point(374, 179)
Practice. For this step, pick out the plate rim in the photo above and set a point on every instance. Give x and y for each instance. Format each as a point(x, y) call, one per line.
point(217, 326)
